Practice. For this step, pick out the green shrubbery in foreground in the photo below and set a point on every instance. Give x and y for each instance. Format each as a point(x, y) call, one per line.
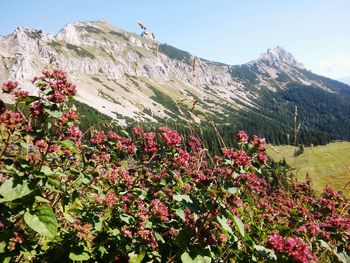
point(157, 198)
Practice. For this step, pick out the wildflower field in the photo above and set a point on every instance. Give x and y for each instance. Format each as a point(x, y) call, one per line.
point(66, 195)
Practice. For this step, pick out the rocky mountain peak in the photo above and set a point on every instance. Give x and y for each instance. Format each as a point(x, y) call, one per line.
point(278, 56)
point(127, 74)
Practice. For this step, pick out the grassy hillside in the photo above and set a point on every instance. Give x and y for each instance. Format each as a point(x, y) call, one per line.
point(327, 165)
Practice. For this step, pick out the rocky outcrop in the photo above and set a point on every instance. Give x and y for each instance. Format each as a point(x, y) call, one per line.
point(122, 73)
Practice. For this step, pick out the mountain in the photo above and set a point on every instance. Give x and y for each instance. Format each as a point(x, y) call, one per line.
point(132, 77)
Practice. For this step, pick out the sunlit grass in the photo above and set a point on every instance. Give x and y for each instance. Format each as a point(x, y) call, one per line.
point(326, 165)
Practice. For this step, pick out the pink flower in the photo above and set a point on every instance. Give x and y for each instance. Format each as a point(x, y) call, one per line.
point(110, 199)
point(259, 143)
point(277, 242)
point(293, 247)
point(42, 145)
point(151, 145)
point(311, 228)
point(125, 231)
point(57, 83)
point(258, 185)
point(74, 133)
point(173, 231)
point(37, 109)
point(12, 120)
point(240, 158)
point(148, 237)
point(262, 158)
point(98, 138)
point(138, 131)
point(171, 137)
point(195, 143)
point(19, 238)
point(21, 94)
point(222, 239)
point(242, 136)
point(159, 210)
point(9, 86)
point(183, 157)
point(69, 115)
point(298, 250)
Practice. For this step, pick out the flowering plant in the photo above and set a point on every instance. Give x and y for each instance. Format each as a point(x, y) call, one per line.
point(159, 197)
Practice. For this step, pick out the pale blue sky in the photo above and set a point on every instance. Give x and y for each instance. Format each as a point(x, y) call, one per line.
point(316, 32)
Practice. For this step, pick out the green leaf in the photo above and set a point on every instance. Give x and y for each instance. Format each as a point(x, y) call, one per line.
point(27, 99)
point(232, 190)
point(180, 212)
point(239, 225)
point(136, 258)
point(68, 217)
point(41, 199)
point(186, 258)
point(125, 133)
point(46, 170)
point(223, 222)
point(2, 246)
point(70, 145)
point(54, 113)
point(11, 192)
point(181, 198)
point(159, 237)
point(265, 252)
point(201, 259)
point(343, 257)
point(43, 221)
point(79, 257)
point(115, 232)
point(125, 218)
point(98, 225)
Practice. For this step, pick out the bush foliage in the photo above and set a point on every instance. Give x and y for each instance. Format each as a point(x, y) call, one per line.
point(159, 197)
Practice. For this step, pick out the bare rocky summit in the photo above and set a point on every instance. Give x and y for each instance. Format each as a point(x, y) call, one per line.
point(124, 74)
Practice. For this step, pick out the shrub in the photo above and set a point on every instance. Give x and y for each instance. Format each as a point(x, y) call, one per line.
point(158, 197)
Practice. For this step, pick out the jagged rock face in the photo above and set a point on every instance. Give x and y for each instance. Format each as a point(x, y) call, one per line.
point(122, 73)
point(278, 56)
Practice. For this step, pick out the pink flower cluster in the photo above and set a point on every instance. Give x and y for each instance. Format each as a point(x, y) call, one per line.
point(37, 109)
point(9, 86)
point(98, 138)
point(67, 116)
point(57, 82)
point(120, 176)
point(259, 143)
point(159, 210)
point(240, 157)
point(242, 137)
point(122, 143)
point(311, 228)
point(151, 146)
point(74, 133)
point(261, 157)
point(294, 247)
point(21, 94)
point(148, 237)
point(12, 120)
point(171, 137)
point(108, 200)
point(42, 145)
point(254, 183)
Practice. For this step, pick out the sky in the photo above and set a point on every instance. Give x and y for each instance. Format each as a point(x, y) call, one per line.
point(316, 32)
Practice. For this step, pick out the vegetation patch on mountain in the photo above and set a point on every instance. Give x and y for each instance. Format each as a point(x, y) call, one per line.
point(144, 196)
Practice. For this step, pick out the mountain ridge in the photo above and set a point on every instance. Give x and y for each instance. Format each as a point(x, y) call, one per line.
point(127, 76)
